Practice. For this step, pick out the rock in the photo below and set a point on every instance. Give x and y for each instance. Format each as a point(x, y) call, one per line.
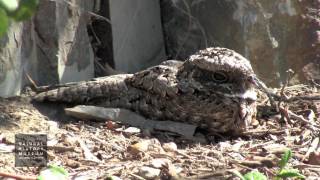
point(6, 148)
point(72, 163)
point(53, 129)
point(170, 147)
point(148, 172)
point(168, 169)
point(113, 178)
point(129, 117)
point(52, 142)
point(199, 137)
point(138, 147)
point(132, 130)
point(137, 34)
point(152, 145)
point(257, 32)
point(160, 163)
point(53, 47)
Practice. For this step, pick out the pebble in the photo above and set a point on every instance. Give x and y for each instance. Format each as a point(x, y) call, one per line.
point(149, 172)
point(170, 147)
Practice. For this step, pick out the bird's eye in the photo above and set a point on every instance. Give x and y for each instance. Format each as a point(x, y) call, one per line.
point(220, 77)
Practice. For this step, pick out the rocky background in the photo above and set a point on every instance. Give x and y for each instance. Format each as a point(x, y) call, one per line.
point(79, 39)
point(274, 35)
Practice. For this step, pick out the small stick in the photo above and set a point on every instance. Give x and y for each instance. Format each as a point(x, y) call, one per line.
point(297, 117)
point(209, 175)
point(274, 97)
point(34, 84)
point(17, 177)
point(266, 90)
point(136, 176)
point(283, 96)
point(269, 131)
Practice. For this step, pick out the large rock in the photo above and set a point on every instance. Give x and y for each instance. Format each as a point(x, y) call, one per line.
point(54, 46)
point(137, 34)
point(51, 48)
point(274, 35)
point(75, 56)
point(11, 61)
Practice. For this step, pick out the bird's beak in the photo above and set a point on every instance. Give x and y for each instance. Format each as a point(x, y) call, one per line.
point(257, 82)
point(262, 87)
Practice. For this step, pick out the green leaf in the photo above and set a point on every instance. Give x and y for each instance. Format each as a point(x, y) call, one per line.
point(25, 10)
point(238, 174)
point(4, 22)
point(255, 175)
point(53, 172)
point(286, 173)
point(9, 5)
point(285, 158)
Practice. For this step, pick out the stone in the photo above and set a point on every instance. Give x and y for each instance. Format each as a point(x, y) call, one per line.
point(170, 147)
point(129, 117)
point(137, 34)
point(51, 48)
point(274, 35)
point(149, 172)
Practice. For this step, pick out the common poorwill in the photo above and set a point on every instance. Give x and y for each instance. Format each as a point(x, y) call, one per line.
point(213, 89)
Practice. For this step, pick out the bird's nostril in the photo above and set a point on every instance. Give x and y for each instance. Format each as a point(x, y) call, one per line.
point(251, 79)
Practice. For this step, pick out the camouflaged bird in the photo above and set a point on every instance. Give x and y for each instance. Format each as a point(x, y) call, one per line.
point(213, 89)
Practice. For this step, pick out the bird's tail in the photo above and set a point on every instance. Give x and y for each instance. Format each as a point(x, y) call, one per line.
point(85, 91)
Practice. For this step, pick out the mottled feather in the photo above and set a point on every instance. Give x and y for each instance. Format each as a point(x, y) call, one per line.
point(212, 89)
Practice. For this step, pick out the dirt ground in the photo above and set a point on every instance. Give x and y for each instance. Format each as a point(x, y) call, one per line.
point(98, 150)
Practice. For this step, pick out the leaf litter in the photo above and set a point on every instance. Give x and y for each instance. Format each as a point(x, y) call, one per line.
point(102, 149)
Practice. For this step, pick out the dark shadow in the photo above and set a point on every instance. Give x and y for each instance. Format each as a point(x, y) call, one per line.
point(54, 111)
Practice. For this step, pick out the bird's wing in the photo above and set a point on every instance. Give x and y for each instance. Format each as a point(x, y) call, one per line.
point(160, 80)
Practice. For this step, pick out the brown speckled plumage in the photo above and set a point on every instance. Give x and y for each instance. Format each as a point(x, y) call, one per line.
point(212, 89)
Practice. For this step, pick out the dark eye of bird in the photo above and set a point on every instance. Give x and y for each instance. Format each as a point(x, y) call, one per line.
point(220, 77)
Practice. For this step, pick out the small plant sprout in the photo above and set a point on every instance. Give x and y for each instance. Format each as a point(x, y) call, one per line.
point(282, 173)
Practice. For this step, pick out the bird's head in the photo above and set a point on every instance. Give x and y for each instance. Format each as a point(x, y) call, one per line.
point(225, 73)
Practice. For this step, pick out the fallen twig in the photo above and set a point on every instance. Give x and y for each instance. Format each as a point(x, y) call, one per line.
point(283, 96)
point(136, 176)
point(300, 118)
point(87, 153)
point(308, 98)
point(314, 145)
point(291, 99)
point(260, 132)
point(302, 165)
point(209, 175)
point(265, 162)
point(17, 177)
point(275, 97)
point(61, 148)
point(34, 84)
